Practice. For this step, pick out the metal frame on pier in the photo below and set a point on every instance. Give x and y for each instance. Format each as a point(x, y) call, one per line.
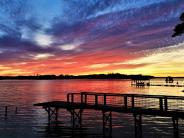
point(52, 113)
point(136, 104)
point(107, 123)
point(76, 118)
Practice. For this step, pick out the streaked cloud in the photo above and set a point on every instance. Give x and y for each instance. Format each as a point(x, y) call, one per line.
point(2, 67)
point(43, 56)
point(43, 40)
point(98, 65)
point(96, 36)
point(70, 46)
point(69, 63)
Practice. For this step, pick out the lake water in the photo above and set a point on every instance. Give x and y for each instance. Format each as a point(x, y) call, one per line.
point(31, 122)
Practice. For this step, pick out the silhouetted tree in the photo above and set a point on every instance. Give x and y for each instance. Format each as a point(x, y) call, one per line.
point(179, 29)
point(90, 76)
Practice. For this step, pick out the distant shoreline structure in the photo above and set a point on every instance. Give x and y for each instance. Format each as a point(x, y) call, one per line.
point(169, 82)
point(90, 76)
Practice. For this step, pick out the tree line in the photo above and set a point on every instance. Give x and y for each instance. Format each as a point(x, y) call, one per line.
point(91, 76)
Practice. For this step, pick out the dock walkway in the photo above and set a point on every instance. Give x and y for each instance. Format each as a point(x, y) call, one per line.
point(136, 104)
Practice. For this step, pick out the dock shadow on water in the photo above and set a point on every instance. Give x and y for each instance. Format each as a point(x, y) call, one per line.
point(91, 126)
point(62, 131)
point(123, 126)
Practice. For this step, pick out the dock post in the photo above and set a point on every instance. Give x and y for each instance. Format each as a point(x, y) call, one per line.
point(165, 103)
point(68, 98)
point(125, 101)
point(52, 113)
point(56, 114)
point(133, 105)
point(82, 97)
point(96, 100)
point(6, 111)
point(138, 125)
point(175, 127)
point(72, 98)
point(161, 103)
point(80, 117)
point(76, 117)
point(104, 99)
point(107, 123)
point(85, 98)
point(49, 115)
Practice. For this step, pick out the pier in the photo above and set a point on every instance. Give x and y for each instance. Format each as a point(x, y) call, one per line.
point(136, 104)
point(167, 85)
point(142, 83)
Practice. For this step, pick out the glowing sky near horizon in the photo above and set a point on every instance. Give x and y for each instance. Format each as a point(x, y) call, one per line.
point(90, 36)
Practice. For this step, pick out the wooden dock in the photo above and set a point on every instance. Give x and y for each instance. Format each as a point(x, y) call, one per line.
point(136, 104)
point(142, 84)
point(167, 85)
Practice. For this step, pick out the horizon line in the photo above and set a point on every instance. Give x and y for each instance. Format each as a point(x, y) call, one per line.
point(75, 75)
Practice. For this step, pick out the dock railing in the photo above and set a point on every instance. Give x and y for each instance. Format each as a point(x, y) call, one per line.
point(158, 102)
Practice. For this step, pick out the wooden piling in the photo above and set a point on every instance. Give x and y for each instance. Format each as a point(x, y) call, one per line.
point(104, 99)
point(165, 103)
point(6, 111)
point(161, 103)
point(72, 98)
point(175, 127)
point(125, 101)
point(96, 100)
point(133, 101)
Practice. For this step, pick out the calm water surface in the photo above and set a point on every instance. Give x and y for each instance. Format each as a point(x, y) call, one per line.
point(31, 122)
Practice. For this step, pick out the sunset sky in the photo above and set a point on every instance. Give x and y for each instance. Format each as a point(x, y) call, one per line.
point(90, 36)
